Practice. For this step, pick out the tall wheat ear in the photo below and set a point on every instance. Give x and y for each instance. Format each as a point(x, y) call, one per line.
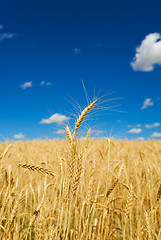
point(69, 135)
point(74, 174)
point(75, 169)
point(83, 115)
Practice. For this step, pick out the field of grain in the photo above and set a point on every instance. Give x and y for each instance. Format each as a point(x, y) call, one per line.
point(109, 190)
point(80, 189)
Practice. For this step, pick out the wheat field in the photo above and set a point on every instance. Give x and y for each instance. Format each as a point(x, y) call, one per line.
point(80, 189)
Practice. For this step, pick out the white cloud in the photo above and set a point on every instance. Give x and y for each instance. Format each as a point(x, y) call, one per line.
point(138, 125)
point(1, 26)
point(18, 136)
point(55, 118)
point(60, 131)
point(48, 84)
point(148, 53)
point(26, 85)
point(156, 135)
point(77, 50)
point(42, 83)
point(135, 130)
point(152, 125)
point(147, 103)
point(6, 36)
point(134, 126)
point(97, 132)
point(140, 139)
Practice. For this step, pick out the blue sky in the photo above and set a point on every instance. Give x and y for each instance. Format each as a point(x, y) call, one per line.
point(48, 47)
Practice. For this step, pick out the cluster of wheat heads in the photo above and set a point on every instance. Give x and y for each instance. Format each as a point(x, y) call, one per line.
point(80, 189)
point(66, 182)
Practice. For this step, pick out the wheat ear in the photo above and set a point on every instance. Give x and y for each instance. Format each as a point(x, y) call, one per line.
point(129, 203)
point(72, 160)
point(38, 169)
point(83, 115)
point(87, 138)
point(109, 191)
point(69, 135)
point(77, 175)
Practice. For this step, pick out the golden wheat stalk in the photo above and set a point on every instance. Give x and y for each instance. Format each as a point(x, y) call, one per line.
point(5, 151)
point(66, 190)
point(15, 211)
point(129, 189)
point(33, 218)
point(159, 193)
point(148, 227)
point(129, 203)
point(40, 228)
point(5, 231)
point(38, 169)
point(69, 135)
point(77, 175)
point(111, 188)
point(87, 139)
point(72, 159)
point(83, 115)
